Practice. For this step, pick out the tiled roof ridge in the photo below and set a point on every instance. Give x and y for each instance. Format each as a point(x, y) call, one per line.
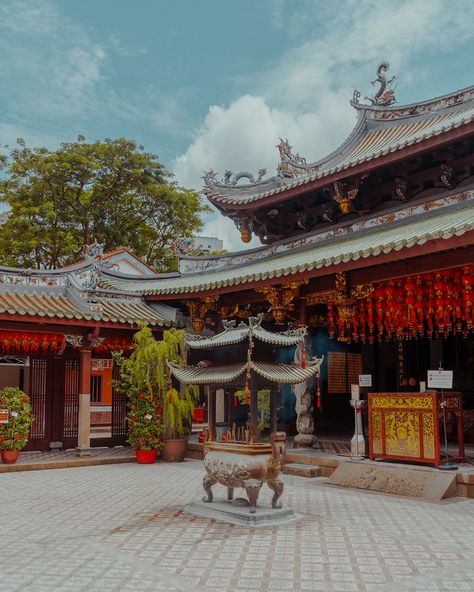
point(463, 95)
point(67, 269)
point(372, 121)
point(31, 303)
point(445, 223)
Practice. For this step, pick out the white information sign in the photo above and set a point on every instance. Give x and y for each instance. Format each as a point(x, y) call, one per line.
point(365, 379)
point(442, 379)
point(355, 392)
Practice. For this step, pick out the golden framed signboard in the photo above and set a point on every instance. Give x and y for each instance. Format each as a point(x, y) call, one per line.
point(404, 427)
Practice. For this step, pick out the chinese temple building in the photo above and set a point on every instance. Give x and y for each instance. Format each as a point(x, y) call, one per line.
point(371, 248)
point(57, 331)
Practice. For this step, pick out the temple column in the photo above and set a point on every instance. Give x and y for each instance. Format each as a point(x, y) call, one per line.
point(84, 419)
point(303, 321)
point(211, 412)
point(230, 409)
point(273, 408)
point(254, 432)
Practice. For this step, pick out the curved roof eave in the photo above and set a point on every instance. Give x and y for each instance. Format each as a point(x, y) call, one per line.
point(334, 166)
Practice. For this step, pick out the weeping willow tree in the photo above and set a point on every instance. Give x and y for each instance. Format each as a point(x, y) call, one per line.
point(179, 410)
point(155, 407)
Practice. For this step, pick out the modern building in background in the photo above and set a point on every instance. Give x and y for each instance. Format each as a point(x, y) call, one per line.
point(208, 244)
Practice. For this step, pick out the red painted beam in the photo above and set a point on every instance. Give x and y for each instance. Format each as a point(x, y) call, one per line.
point(40, 322)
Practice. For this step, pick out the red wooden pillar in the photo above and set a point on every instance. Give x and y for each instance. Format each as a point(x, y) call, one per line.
point(303, 320)
point(84, 419)
point(211, 412)
point(254, 431)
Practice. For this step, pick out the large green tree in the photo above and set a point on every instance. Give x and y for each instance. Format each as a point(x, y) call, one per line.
point(112, 192)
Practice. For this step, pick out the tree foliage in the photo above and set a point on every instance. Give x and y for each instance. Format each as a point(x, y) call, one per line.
point(154, 407)
point(111, 192)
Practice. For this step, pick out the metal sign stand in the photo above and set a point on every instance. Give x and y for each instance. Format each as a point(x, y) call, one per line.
point(446, 466)
point(356, 456)
point(357, 409)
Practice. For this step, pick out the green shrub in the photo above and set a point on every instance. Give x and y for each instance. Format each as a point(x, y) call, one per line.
point(14, 434)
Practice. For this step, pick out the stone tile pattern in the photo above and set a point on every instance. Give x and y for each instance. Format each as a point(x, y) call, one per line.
point(121, 528)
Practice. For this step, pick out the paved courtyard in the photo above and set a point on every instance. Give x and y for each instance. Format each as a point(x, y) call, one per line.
point(122, 528)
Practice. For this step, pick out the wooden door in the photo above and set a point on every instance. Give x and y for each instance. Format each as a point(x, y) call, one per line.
point(68, 404)
point(41, 394)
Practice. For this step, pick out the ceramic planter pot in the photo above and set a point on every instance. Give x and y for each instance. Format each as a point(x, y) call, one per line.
point(174, 449)
point(145, 457)
point(9, 457)
point(198, 414)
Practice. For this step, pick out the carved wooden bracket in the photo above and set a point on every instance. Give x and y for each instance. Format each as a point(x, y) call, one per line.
point(341, 294)
point(198, 310)
point(344, 196)
point(280, 298)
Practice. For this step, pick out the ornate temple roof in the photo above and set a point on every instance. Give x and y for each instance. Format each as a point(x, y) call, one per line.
point(380, 235)
point(235, 334)
point(36, 303)
point(72, 294)
point(381, 130)
point(272, 372)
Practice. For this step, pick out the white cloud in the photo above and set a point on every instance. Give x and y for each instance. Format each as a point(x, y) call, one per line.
point(122, 50)
point(56, 73)
point(53, 68)
point(305, 97)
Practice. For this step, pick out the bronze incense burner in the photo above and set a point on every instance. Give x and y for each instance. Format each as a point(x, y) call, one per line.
point(236, 464)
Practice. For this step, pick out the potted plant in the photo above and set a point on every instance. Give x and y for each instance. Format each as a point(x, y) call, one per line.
point(179, 407)
point(144, 378)
point(16, 408)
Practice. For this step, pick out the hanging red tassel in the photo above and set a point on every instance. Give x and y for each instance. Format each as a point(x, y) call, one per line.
point(318, 394)
point(303, 357)
point(235, 400)
point(246, 392)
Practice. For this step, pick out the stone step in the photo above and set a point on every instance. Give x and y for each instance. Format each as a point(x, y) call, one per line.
point(301, 470)
point(302, 456)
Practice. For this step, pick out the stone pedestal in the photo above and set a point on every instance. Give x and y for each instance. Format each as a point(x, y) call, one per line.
point(304, 440)
point(226, 511)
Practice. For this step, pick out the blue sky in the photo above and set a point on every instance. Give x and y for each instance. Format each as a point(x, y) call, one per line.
point(214, 83)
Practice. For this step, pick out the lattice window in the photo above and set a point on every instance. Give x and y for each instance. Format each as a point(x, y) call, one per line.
point(96, 388)
point(343, 370)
